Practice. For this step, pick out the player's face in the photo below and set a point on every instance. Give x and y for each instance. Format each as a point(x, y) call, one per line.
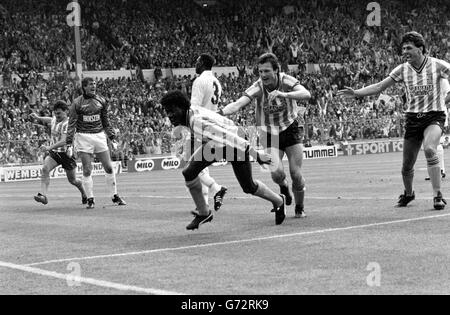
point(177, 116)
point(198, 66)
point(411, 53)
point(60, 114)
point(267, 74)
point(90, 88)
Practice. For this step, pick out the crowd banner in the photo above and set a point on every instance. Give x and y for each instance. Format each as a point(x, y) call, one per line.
point(373, 147)
point(33, 172)
point(160, 164)
point(320, 152)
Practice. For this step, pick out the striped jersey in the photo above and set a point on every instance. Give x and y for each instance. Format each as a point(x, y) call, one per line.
point(423, 86)
point(281, 112)
point(88, 115)
point(206, 91)
point(445, 88)
point(58, 131)
point(208, 126)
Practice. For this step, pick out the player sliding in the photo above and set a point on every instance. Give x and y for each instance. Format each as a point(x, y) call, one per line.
point(219, 140)
point(57, 152)
point(425, 114)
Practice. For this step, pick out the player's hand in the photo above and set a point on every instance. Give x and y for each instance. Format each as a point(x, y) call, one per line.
point(263, 158)
point(274, 94)
point(347, 92)
point(34, 115)
point(69, 151)
point(44, 148)
point(114, 145)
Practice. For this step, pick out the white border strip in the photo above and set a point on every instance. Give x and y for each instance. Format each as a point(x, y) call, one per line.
point(169, 249)
point(91, 281)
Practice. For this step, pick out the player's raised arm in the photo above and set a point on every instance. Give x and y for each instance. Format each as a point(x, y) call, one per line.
point(235, 106)
point(43, 120)
point(368, 90)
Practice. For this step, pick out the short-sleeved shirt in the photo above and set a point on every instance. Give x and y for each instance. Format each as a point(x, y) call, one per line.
point(206, 91)
point(279, 114)
point(423, 85)
point(58, 130)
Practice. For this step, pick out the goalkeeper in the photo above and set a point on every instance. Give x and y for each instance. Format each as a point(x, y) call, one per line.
point(86, 134)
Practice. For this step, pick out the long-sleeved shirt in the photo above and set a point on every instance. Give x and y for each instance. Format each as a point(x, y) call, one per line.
point(88, 115)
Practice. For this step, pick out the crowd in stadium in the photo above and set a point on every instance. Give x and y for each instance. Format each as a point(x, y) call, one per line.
point(124, 34)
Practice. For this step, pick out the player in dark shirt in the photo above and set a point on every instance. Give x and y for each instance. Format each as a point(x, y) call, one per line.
point(88, 123)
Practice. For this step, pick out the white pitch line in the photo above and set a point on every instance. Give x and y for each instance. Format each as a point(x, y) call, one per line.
point(257, 239)
point(91, 281)
point(240, 198)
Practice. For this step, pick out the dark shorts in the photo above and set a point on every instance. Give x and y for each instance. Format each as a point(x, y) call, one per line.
point(416, 123)
point(291, 136)
point(62, 159)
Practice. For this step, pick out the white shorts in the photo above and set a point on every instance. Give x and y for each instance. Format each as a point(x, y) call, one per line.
point(91, 142)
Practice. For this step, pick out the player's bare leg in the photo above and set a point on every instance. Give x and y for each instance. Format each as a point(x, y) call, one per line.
point(278, 174)
point(411, 148)
point(110, 177)
point(49, 165)
point(72, 178)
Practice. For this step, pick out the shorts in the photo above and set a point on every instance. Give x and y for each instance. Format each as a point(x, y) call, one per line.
point(91, 142)
point(291, 136)
point(67, 163)
point(416, 123)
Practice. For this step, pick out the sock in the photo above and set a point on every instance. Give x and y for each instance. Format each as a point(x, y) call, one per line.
point(266, 193)
point(209, 182)
point(111, 183)
point(195, 188)
point(298, 189)
point(299, 196)
point(434, 171)
point(88, 185)
point(440, 153)
point(45, 182)
point(205, 192)
point(408, 177)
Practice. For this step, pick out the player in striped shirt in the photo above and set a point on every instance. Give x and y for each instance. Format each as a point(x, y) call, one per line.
point(206, 92)
point(425, 113)
point(276, 95)
point(219, 139)
point(88, 123)
point(57, 152)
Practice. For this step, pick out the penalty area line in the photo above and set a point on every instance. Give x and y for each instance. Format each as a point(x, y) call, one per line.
point(91, 281)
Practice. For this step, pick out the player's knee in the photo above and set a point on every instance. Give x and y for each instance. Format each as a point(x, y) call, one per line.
point(430, 152)
point(108, 169)
point(73, 181)
point(45, 171)
point(189, 174)
point(87, 171)
point(278, 176)
point(250, 188)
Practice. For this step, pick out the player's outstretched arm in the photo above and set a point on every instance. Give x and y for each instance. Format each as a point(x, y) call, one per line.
point(44, 120)
point(235, 106)
point(368, 90)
